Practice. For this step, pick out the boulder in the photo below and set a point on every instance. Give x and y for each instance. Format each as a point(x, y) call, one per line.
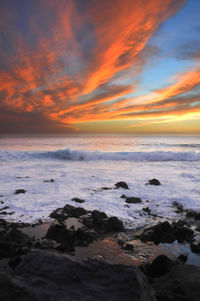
point(195, 246)
point(181, 283)
point(67, 211)
point(121, 185)
point(162, 232)
point(193, 214)
point(49, 181)
point(178, 206)
point(77, 200)
point(154, 182)
point(166, 233)
point(114, 225)
point(147, 210)
point(18, 191)
point(133, 200)
point(160, 266)
point(181, 232)
point(45, 276)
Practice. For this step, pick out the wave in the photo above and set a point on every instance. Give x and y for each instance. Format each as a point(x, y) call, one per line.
point(81, 155)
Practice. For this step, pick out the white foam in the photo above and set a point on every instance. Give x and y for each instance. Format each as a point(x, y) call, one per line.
point(83, 179)
point(81, 155)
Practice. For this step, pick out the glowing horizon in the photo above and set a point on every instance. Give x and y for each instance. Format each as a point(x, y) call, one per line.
point(100, 66)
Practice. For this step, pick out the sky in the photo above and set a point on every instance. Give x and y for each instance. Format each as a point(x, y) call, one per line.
point(100, 66)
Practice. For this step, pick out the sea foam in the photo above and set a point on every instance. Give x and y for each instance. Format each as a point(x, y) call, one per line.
point(81, 155)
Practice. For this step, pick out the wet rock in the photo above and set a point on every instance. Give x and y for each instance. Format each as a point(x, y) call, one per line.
point(166, 233)
point(193, 214)
point(182, 283)
point(49, 181)
point(18, 191)
point(68, 211)
point(147, 210)
point(12, 291)
point(13, 262)
point(195, 246)
point(182, 258)
point(85, 236)
point(106, 188)
point(97, 216)
point(198, 226)
point(154, 182)
point(128, 246)
point(133, 200)
point(12, 241)
point(69, 238)
point(8, 249)
point(121, 185)
point(162, 232)
point(114, 225)
point(77, 200)
point(4, 208)
point(44, 276)
point(181, 232)
point(160, 266)
point(179, 207)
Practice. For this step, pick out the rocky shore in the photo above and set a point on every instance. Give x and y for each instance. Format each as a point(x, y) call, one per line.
point(86, 255)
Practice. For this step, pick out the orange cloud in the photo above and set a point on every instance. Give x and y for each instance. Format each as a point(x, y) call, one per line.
point(66, 69)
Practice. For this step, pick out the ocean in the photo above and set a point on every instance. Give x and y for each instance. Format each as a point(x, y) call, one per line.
point(81, 165)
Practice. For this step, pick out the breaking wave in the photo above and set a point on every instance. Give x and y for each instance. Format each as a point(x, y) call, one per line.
point(81, 155)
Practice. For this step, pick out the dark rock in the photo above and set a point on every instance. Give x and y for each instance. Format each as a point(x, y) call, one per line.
point(147, 210)
point(182, 258)
point(166, 233)
point(106, 188)
point(121, 185)
point(193, 214)
point(77, 200)
point(43, 276)
point(12, 291)
point(181, 232)
point(133, 200)
point(160, 266)
point(68, 211)
point(182, 283)
point(98, 216)
point(8, 249)
point(13, 262)
point(12, 241)
point(49, 181)
point(128, 246)
point(179, 207)
point(114, 225)
point(59, 233)
point(85, 237)
point(198, 226)
point(18, 191)
point(195, 246)
point(69, 238)
point(162, 232)
point(123, 196)
point(154, 182)
point(4, 208)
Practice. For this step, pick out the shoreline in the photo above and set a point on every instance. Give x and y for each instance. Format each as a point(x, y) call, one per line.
point(79, 237)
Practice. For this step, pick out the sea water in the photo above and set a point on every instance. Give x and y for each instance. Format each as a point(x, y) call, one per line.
point(81, 165)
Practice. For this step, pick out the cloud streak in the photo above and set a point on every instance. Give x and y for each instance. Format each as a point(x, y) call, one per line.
point(68, 62)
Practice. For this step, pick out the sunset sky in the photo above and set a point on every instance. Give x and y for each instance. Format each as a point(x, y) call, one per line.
point(100, 66)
